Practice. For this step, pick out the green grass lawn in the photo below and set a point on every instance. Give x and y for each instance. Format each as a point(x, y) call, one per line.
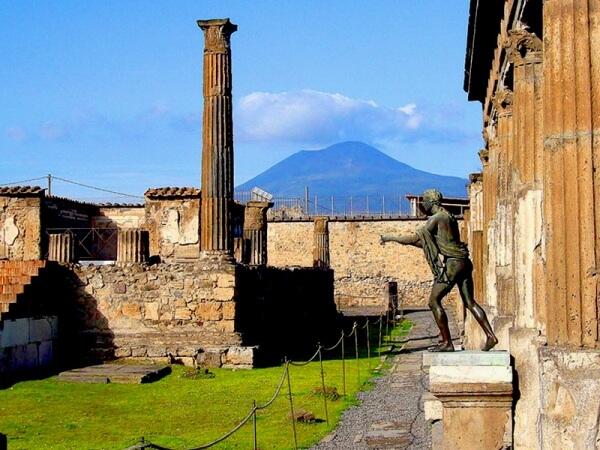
point(179, 412)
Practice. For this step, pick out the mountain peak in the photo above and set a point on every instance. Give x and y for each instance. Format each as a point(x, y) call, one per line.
point(350, 168)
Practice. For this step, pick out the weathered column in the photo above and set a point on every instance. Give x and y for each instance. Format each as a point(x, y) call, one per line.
point(132, 245)
point(255, 233)
point(61, 247)
point(571, 179)
point(217, 138)
point(321, 242)
point(525, 53)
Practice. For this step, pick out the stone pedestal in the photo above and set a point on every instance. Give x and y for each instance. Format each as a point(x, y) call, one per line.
point(475, 390)
point(321, 242)
point(61, 247)
point(132, 246)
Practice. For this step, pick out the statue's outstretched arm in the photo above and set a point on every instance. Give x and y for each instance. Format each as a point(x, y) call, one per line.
point(407, 239)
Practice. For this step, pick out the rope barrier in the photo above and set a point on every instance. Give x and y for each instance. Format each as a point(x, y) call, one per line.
point(252, 414)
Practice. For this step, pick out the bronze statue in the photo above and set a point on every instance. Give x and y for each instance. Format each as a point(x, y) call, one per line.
point(440, 237)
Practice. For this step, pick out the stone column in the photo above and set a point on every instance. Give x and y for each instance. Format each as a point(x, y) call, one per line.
point(61, 247)
point(217, 138)
point(132, 245)
point(571, 182)
point(255, 233)
point(321, 242)
point(475, 390)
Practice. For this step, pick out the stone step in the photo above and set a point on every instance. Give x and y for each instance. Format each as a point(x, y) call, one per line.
point(467, 358)
point(116, 373)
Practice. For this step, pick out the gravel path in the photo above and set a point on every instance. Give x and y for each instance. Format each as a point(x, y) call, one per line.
point(390, 415)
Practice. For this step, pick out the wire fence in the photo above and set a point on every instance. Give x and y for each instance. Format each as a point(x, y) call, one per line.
point(358, 332)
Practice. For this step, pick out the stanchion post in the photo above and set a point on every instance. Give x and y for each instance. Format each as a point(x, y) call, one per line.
point(368, 347)
point(291, 404)
point(356, 353)
point(343, 364)
point(380, 328)
point(323, 386)
point(254, 425)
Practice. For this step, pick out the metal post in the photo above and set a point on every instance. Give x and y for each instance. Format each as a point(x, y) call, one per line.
point(323, 386)
point(254, 424)
point(383, 205)
point(351, 205)
point(356, 353)
point(49, 185)
point(287, 371)
point(367, 205)
point(368, 347)
point(380, 328)
point(343, 364)
point(306, 211)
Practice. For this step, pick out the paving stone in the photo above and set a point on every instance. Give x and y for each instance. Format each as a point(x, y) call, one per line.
point(116, 373)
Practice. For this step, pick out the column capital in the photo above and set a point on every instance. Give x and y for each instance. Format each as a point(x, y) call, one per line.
point(484, 156)
point(502, 101)
point(217, 33)
point(523, 46)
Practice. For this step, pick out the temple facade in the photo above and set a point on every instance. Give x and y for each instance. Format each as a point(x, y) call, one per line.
point(534, 224)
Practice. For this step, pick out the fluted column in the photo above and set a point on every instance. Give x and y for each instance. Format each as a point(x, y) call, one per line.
point(321, 242)
point(572, 184)
point(255, 233)
point(217, 138)
point(61, 247)
point(132, 245)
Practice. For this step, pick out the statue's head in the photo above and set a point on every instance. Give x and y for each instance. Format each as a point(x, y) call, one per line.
point(431, 197)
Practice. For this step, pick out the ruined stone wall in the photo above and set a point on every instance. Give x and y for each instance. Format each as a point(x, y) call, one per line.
point(120, 217)
point(361, 265)
point(20, 227)
point(136, 310)
point(174, 224)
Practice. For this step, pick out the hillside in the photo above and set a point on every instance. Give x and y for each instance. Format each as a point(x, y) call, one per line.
point(350, 168)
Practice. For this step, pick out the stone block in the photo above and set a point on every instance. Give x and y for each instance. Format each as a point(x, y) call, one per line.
point(183, 313)
point(156, 351)
point(46, 353)
point(23, 357)
point(228, 310)
point(122, 352)
point(466, 358)
point(227, 326)
point(132, 310)
point(226, 280)
point(42, 329)
point(469, 374)
point(432, 407)
point(240, 356)
point(14, 332)
point(151, 311)
point(209, 311)
point(223, 293)
point(210, 358)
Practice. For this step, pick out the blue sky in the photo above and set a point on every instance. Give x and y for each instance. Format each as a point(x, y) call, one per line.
point(109, 93)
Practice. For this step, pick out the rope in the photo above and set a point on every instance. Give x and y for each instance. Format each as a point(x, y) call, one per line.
point(327, 349)
point(229, 433)
point(300, 364)
point(353, 330)
point(277, 391)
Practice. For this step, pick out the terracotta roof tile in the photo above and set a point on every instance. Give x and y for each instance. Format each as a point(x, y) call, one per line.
point(170, 192)
point(17, 191)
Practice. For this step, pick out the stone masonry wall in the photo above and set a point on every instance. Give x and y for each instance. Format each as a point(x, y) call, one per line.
point(20, 227)
point(177, 310)
point(361, 265)
point(120, 217)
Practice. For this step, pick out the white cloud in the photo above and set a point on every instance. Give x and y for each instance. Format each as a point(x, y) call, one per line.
point(310, 116)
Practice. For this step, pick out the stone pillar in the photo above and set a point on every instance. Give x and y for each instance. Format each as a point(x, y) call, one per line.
point(217, 138)
point(132, 245)
point(571, 182)
point(475, 390)
point(255, 233)
point(321, 242)
point(61, 247)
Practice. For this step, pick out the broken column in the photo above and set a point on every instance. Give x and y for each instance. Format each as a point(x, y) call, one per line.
point(61, 247)
point(132, 246)
point(321, 242)
point(217, 138)
point(255, 233)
